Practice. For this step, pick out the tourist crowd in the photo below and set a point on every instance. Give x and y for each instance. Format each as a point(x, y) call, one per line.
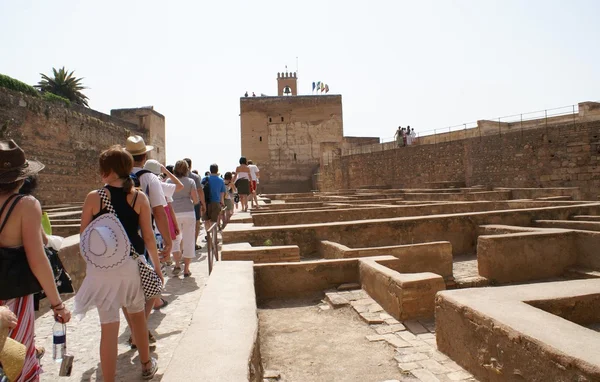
point(141, 227)
point(405, 136)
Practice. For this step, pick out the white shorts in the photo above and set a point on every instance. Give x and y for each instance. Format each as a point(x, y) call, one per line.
point(185, 242)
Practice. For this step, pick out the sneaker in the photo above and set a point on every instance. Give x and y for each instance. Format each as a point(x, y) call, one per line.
point(149, 371)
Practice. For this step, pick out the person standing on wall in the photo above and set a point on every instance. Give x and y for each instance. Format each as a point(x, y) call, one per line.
point(150, 184)
point(254, 175)
point(198, 206)
point(398, 136)
point(216, 199)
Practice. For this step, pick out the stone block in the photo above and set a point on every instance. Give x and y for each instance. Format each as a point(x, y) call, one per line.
point(414, 357)
point(434, 366)
point(407, 366)
point(415, 327)
point(424, 375)
point(371, 318)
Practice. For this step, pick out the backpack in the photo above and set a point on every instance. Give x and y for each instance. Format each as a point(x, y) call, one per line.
point(206, 188)
point(135, 176)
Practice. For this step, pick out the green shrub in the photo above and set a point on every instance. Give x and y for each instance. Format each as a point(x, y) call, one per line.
point(53, 98)
point(11, 83)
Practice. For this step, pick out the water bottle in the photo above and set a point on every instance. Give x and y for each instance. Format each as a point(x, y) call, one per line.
point(59, 341)
point(159, 241)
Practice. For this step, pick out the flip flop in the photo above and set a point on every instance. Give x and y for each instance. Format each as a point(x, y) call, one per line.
point(187, 274)
point(164, 302)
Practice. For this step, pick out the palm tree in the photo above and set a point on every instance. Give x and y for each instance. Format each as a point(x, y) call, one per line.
point(64, 84)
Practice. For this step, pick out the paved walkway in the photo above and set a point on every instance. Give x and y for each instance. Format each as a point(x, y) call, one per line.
point(414, 341)
point(168, 324)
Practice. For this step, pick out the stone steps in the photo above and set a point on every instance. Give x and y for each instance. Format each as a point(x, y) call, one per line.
point(582, 273)
point(65, 230)
point(588, 218)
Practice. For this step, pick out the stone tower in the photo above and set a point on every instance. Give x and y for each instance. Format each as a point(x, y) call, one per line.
point(287, 84)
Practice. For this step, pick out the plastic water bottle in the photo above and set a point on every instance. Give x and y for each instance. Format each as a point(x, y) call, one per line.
point(59, 340)
point(159, 241)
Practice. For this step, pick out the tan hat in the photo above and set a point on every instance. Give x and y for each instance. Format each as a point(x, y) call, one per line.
point(12, 355)
point(13, 164)
point(136, 145)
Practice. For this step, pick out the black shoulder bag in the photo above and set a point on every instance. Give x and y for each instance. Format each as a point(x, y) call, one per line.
point(16, 278)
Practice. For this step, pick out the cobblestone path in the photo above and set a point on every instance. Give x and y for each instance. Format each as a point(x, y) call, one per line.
point(168, 324)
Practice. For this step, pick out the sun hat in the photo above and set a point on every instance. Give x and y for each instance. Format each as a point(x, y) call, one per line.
point(104, 243)
point(136, 146)
point(12, 355)
point(13, 164)
point(153, 166)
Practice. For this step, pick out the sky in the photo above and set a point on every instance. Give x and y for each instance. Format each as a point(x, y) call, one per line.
point(427, 64)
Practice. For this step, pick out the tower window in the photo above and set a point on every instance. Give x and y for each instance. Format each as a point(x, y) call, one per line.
point(260, 139)
point(281, 119)
point(270, 119)
point(294, 156)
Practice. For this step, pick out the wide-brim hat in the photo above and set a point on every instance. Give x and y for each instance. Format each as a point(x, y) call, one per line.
point(104, 244)
point(13, 164)
point(136, 146)
point(12, 355)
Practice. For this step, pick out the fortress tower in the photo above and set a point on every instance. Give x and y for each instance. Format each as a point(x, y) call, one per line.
point(287, 84)
point(283, 135)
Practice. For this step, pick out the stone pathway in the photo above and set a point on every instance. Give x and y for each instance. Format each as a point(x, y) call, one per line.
point(168, 324)
point(414, 341)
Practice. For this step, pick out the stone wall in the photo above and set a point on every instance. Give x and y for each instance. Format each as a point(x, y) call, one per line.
point(561, 156)
point(68, 140)
point(283, 135)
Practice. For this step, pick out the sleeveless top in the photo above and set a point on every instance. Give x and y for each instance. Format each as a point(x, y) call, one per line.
point(243, 175)
point(126, 214)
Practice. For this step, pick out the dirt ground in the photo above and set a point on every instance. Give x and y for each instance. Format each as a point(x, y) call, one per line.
point(306, 344)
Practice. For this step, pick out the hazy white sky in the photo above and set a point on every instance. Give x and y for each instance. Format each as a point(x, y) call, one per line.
point(428, 64)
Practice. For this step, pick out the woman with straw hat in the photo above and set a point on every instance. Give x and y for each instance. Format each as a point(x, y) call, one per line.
point(21, 232)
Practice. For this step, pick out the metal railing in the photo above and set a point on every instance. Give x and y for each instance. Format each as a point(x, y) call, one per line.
point(494, 126)
point(213, 243)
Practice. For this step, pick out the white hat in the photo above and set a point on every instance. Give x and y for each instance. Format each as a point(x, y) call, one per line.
point(153, 166)
point(104, 243)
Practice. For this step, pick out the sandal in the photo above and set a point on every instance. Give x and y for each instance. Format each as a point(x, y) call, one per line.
point(151, 342)
point(39, 352)
point(149, 371)
point(176, 270)
point(164, 304)
point(187, 274)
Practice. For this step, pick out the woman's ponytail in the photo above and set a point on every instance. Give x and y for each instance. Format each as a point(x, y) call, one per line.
point(128, 184)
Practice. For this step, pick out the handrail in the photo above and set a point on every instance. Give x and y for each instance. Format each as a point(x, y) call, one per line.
point(213, 243)
point(511, 122)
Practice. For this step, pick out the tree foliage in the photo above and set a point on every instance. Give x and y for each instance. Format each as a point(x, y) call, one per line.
point(11, 83)
point(64, 84)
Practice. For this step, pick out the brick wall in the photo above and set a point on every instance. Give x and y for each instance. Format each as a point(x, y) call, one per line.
point(67, 140)
point(559, 156)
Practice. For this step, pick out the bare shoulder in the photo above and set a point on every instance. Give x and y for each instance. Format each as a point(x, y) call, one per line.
point(29, 203)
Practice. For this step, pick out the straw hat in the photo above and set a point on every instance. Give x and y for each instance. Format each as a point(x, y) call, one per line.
point(12, 355)
point(136, 145)
point(13, 165)
point(104, 243)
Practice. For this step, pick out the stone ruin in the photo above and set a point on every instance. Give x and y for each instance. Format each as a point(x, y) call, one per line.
point(507, 279)
point(454, 284)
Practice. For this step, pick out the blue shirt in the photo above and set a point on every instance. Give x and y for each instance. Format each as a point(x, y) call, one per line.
point(216, 186)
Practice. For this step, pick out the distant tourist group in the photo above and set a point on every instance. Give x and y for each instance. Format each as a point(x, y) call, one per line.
point(405, 136)
point(144, 220)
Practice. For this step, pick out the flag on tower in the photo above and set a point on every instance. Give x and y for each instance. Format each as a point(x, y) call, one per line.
point(322, 87)
point(314, 86)
point(326, 88)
